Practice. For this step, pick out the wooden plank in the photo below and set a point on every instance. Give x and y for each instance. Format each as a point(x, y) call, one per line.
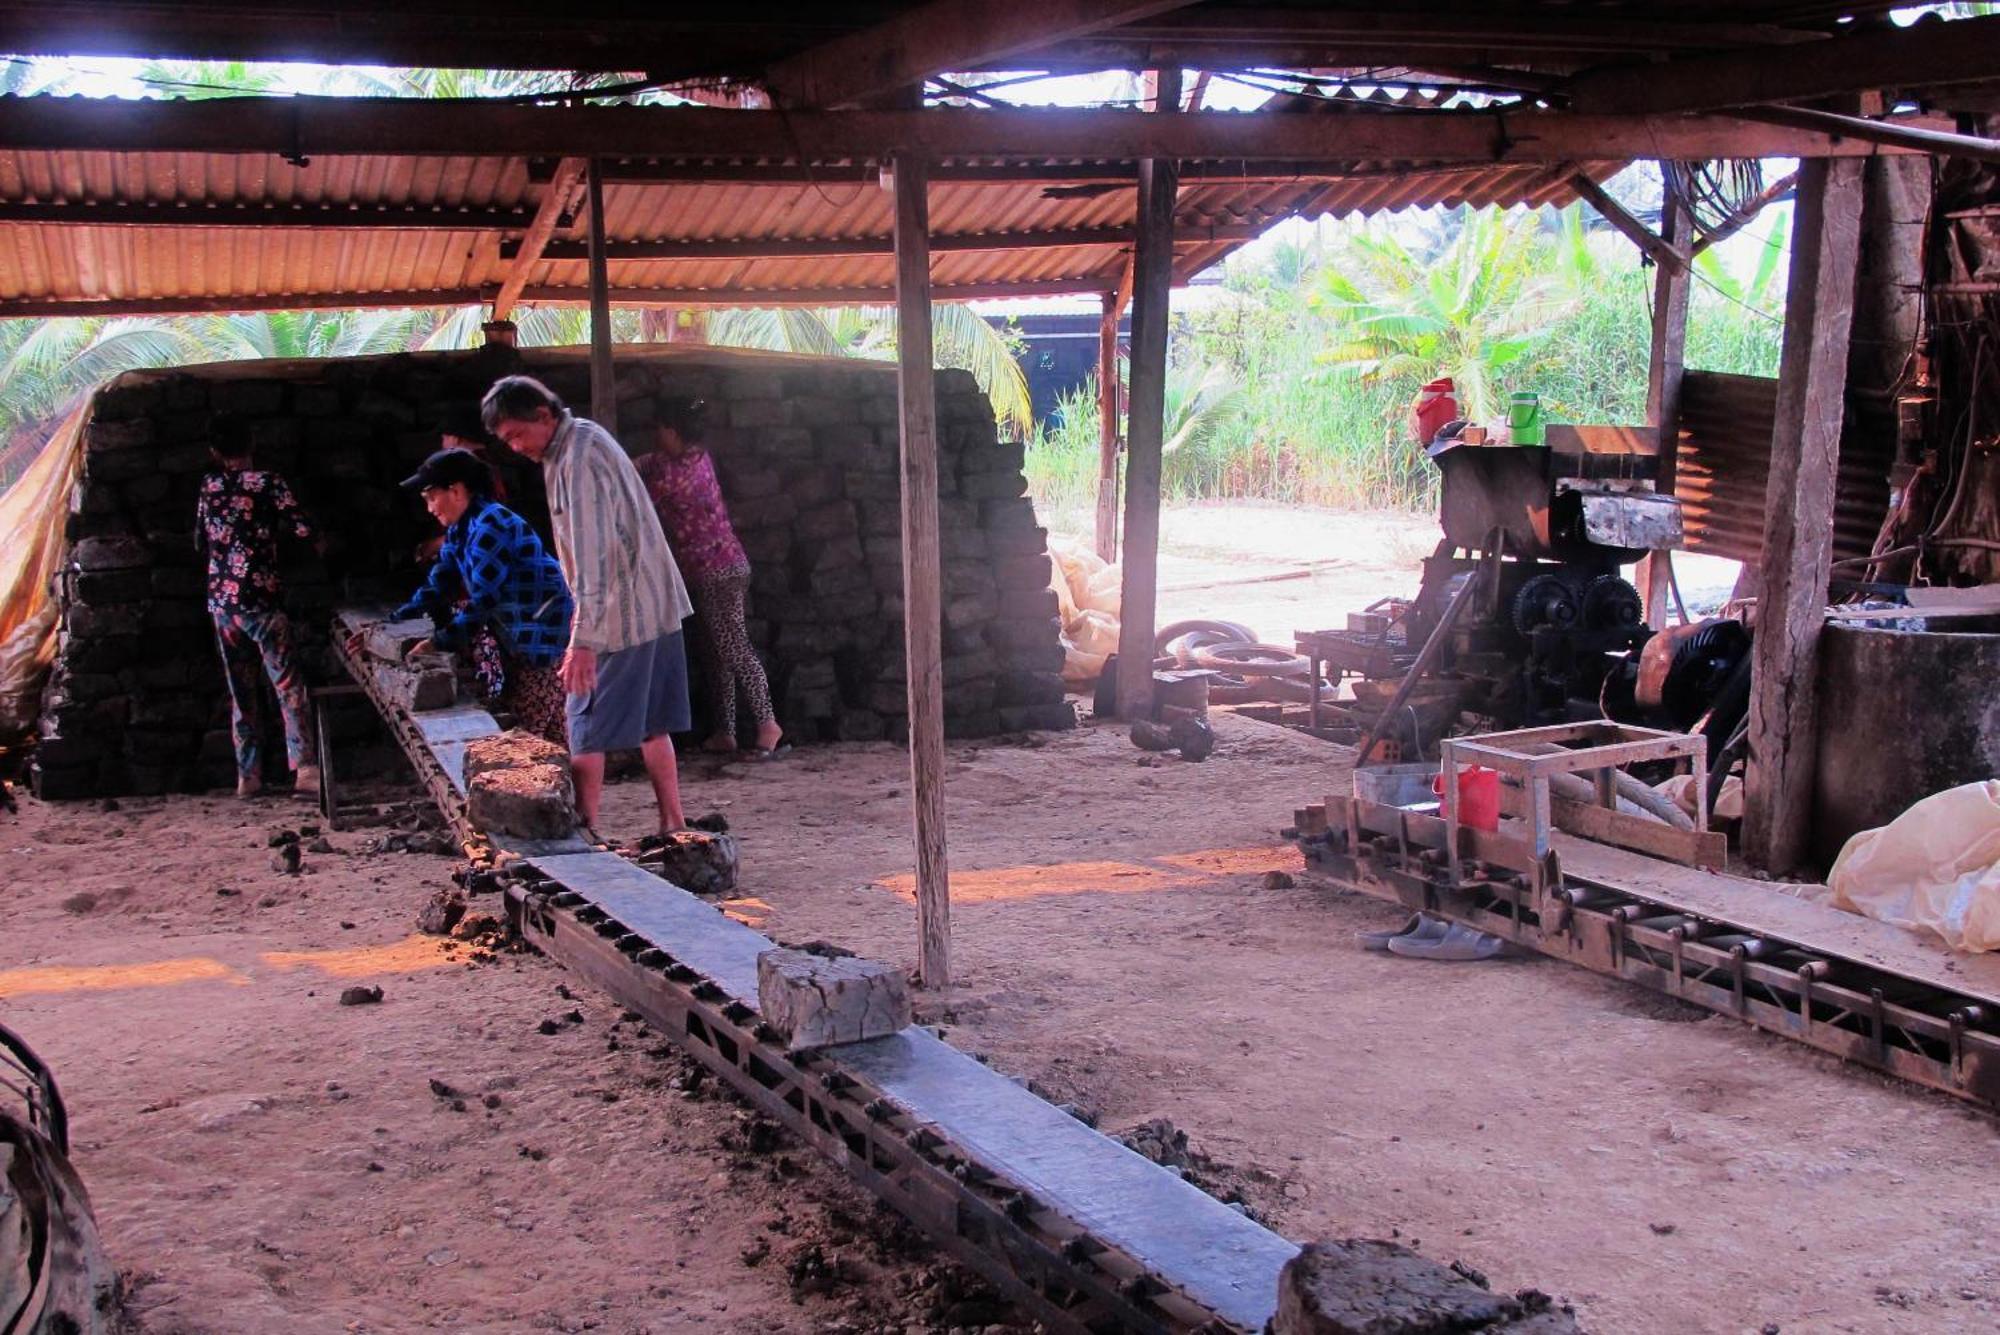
point(555, 199)
point(1692, 848)
point(1639, 442)
point(1666, 367)
point(391, 126)
point(603, 380)
point(1107, 426)
point(1922, 55)
point(1640, 235)
point(323, 217)
point(1798, 546)
point(923, 633)
point(1145, 427)
point(937, 38)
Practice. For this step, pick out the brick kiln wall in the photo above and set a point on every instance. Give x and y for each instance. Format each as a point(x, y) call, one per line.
point(808, 457)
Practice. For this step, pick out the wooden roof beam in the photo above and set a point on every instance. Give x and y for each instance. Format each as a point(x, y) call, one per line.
point(1330, 39)
point(329, 217)
point(12, 308)
point(1640, 235)
point(1063, 238)
point(1944, 143)
point(935, 38)
point(556, 196)
point(541, 295)
point(387, 126)
point(1932, 53)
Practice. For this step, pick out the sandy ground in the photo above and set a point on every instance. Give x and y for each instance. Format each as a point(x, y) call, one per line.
point(263, 1158)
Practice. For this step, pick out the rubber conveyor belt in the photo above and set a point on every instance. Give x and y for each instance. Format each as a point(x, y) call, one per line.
point(1085, 1232)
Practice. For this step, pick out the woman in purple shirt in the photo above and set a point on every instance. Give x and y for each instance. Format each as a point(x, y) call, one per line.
point(680, 477)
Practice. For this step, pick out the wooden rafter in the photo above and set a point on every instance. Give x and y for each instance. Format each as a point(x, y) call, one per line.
point(1635, 231)
point(385, 126)
point(1924, 55)
point(536, 295)
point(555, 202)
point(320, 217)
point(935, 38)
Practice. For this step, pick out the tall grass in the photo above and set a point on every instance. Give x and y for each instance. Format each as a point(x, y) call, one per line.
point(1306, 432)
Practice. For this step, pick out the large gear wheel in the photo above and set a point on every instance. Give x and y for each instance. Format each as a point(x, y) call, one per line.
point(1544, 600)
point(1610, 603)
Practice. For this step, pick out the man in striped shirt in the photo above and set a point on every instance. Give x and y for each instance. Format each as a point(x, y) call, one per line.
point(625, 669)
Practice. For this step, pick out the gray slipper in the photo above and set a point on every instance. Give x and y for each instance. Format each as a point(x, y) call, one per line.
point(1420, 925)
point(1457, 942)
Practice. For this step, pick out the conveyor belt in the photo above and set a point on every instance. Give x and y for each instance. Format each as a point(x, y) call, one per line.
point(1090, 1233)
point(1087, 1234)
point(1857, 989)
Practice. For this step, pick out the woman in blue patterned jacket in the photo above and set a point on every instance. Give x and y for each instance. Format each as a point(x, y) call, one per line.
point(494, 592)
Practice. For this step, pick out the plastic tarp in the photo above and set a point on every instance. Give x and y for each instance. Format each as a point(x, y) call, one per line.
point(32, 514)
point(1934, 869)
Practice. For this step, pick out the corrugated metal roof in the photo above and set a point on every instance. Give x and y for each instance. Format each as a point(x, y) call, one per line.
point(1724, 462)
point(206, 231)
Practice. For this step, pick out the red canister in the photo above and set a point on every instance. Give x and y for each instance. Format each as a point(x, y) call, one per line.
point(1437, 403)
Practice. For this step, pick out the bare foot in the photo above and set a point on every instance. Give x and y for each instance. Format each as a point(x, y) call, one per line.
point(720, 745)
point(769, 734)
point(248, 785)
point(305, 780)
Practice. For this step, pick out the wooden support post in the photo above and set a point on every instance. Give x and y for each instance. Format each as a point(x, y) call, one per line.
point(603, 381)
point(1145, 428)
point(1798, 509)
point(1665, 369)
point(923, 626)
point(1107, 428)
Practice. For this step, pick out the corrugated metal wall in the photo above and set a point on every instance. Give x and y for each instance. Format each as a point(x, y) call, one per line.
point(1724, 462)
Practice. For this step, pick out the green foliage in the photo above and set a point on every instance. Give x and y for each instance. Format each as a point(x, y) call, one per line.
point(1325, 338)
point(960, 337)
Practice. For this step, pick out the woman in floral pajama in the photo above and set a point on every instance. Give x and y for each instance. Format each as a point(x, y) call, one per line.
point(240, 514)
point(680, 477)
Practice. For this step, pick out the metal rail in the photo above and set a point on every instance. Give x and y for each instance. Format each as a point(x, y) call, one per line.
point(1918, 1029)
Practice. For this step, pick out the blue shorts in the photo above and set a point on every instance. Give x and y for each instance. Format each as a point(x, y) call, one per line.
point(641, 693)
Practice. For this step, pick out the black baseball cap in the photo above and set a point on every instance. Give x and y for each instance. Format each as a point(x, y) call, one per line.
point(448, 466)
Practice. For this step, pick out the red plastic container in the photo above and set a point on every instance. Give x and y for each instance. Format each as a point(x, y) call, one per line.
point(1479, 792)
point(1437, 403)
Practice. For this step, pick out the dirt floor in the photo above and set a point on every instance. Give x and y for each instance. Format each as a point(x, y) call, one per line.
point(265, 1158)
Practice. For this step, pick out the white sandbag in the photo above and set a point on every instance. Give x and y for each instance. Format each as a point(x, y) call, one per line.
point(1934, 869)
point(1105, 592)
point(1728, 803)
point(1079, 668)
point(1093, 632)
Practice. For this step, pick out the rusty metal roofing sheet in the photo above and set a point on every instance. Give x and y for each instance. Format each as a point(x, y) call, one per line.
point(1724, 462)
point(206, 231)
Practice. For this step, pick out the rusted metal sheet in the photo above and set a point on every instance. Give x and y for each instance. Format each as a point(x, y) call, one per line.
point(1724, 462)
point(100, 256)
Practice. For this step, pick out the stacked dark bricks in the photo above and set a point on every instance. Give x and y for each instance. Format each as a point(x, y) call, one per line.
point(807, 453)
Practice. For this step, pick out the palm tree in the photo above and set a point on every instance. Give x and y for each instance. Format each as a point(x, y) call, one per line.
point(1475, 310)
point(961, 338)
